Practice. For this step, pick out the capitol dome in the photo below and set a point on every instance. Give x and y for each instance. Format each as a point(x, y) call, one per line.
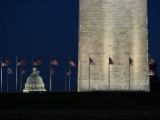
point(34, 83)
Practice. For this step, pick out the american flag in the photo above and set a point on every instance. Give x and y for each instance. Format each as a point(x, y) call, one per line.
point(37, 62)
point(21, 62)
point(23, 72)
point(91, 62)
point(151, 62)
point(130, 61)
point(152, 73)
point(69, 73)
point(72, 64)
point(111, 61)
point(54, 62)
point(38, 72)
point(5, 63)
point(52, 72)
point(9, 71)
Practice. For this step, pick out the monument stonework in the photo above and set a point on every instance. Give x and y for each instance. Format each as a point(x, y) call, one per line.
point(115, 30)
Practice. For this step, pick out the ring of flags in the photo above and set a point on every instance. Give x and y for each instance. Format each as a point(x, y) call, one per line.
point(53, 62)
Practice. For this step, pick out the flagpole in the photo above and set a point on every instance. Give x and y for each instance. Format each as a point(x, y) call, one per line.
point(148, 68)
point(65, 79)
point(32, 68)
point(22, 84)
point(89, 73)
point(129, 71)
point(16, 72)
point(50, 77)
point(109, 72)
point(1, 74)
point(79, 65)
point(7, 79)
point(69, 74)
point(21, 80)
point(33, 62)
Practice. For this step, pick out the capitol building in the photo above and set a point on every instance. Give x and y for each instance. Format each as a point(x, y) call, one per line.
point(34, 83)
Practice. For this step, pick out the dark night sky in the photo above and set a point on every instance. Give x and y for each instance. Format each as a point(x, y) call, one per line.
point(44, 28)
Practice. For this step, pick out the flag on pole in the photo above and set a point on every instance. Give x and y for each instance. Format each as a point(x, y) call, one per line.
point(37, 62)
point(23, 72)
point(152, 73)
point(91, 62)
point(21, 62)
point(5, 63)
point(52, 72)
point(9, 71)
point(111, 61)
point(54, 62)
point(72, 64)
point(69, 73)
point(38, 72)
point(130, 61)
point(152, 62)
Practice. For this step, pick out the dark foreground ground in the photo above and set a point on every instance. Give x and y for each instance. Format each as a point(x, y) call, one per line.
point(80, 106)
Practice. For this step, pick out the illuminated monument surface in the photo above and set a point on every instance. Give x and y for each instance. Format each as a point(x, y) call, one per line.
point(115, 29)
point(34, 83)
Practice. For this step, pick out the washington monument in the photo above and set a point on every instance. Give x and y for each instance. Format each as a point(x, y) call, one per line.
point(113, 45)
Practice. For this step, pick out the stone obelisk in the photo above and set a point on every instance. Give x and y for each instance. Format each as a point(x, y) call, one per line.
point(114, 34)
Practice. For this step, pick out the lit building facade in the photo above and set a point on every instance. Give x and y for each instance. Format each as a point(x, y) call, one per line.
point(34, 83)
point(114, 35)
